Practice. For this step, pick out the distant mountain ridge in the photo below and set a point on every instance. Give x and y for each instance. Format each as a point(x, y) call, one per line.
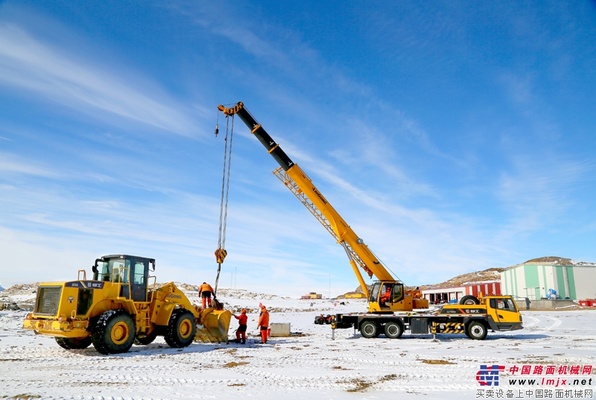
point(489, 274)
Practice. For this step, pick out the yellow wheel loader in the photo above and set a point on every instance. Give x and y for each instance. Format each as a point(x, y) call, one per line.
point(119, 307)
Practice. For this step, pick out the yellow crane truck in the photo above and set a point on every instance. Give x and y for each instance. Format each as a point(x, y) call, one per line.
point(473, 317)
point(119, 307)
point(391, 306)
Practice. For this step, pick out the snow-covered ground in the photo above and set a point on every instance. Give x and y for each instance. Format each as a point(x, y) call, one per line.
point(557, 349)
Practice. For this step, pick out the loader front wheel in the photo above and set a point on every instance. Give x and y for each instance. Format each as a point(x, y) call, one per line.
point(181, 329)
point(114, 332)
point(74, 343)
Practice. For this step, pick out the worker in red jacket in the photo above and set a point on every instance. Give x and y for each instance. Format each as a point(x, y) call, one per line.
point(263, 324)
point(241, 331)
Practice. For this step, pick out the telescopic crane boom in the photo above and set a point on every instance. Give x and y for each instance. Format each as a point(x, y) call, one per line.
point(388, 294)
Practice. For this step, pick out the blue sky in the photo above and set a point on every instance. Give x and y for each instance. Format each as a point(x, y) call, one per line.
point(452, 136)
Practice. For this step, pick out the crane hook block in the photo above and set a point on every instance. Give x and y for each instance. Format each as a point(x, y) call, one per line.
point(220, 255)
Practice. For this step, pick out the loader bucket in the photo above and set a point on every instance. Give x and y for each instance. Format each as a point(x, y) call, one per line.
point(213, 326)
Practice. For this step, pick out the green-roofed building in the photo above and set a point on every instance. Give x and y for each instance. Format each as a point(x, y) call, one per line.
point(550, 278)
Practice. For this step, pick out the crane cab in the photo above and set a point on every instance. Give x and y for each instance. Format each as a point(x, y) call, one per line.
point(387, 297)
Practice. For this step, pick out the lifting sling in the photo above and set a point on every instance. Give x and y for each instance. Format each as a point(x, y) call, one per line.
point(221, 253)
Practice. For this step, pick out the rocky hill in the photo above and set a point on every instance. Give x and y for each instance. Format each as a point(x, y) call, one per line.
point(478, 276)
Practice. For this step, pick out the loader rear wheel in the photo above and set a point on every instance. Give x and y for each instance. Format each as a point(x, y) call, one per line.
point(476, 330)
point(181, 329)
point(393, 330)
point(369, 329)
point(74, 343)
point(114, 332)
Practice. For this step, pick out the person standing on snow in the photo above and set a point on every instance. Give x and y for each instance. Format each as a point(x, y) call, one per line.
point(205, 291)
point(263, 324)
point(241, 331)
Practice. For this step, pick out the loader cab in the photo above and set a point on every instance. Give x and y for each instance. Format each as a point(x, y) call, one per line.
point(130, 271)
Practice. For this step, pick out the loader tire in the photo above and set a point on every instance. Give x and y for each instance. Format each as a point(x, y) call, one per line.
point(114, 332)
point(469, 299)
point(74, 343)
point(181, 329)
point(476, 330)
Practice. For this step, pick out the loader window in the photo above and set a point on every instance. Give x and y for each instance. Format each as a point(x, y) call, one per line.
point(139, 286)
point(120, 270)
point(115, 270)
point(104, 271)
point(139, 277)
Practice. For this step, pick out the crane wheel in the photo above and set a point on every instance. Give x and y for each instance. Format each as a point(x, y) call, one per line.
point(74, 343)
point(369, 329)
point(114, 332)
point(476, 330)
point(393, 330)
point(181, 329)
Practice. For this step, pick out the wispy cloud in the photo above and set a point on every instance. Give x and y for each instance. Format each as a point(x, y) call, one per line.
point(10, 163)
point(33, 65)
point(539, 192)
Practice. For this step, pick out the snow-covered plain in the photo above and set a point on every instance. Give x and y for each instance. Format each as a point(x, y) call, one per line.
point(309, 363)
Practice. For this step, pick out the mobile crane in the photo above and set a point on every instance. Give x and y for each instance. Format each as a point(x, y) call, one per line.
point(390, 304)
point(387, 293)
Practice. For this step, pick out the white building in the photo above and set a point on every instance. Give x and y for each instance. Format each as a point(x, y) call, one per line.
point(455, 293)
point(550, 277)
point(443, 295)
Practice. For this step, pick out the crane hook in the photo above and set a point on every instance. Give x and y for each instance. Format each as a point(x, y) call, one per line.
point(220, 255)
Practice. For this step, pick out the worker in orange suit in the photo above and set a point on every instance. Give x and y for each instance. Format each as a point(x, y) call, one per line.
point(263, 324)
point(242, 322)
point(386, 296)
point(205, 292)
